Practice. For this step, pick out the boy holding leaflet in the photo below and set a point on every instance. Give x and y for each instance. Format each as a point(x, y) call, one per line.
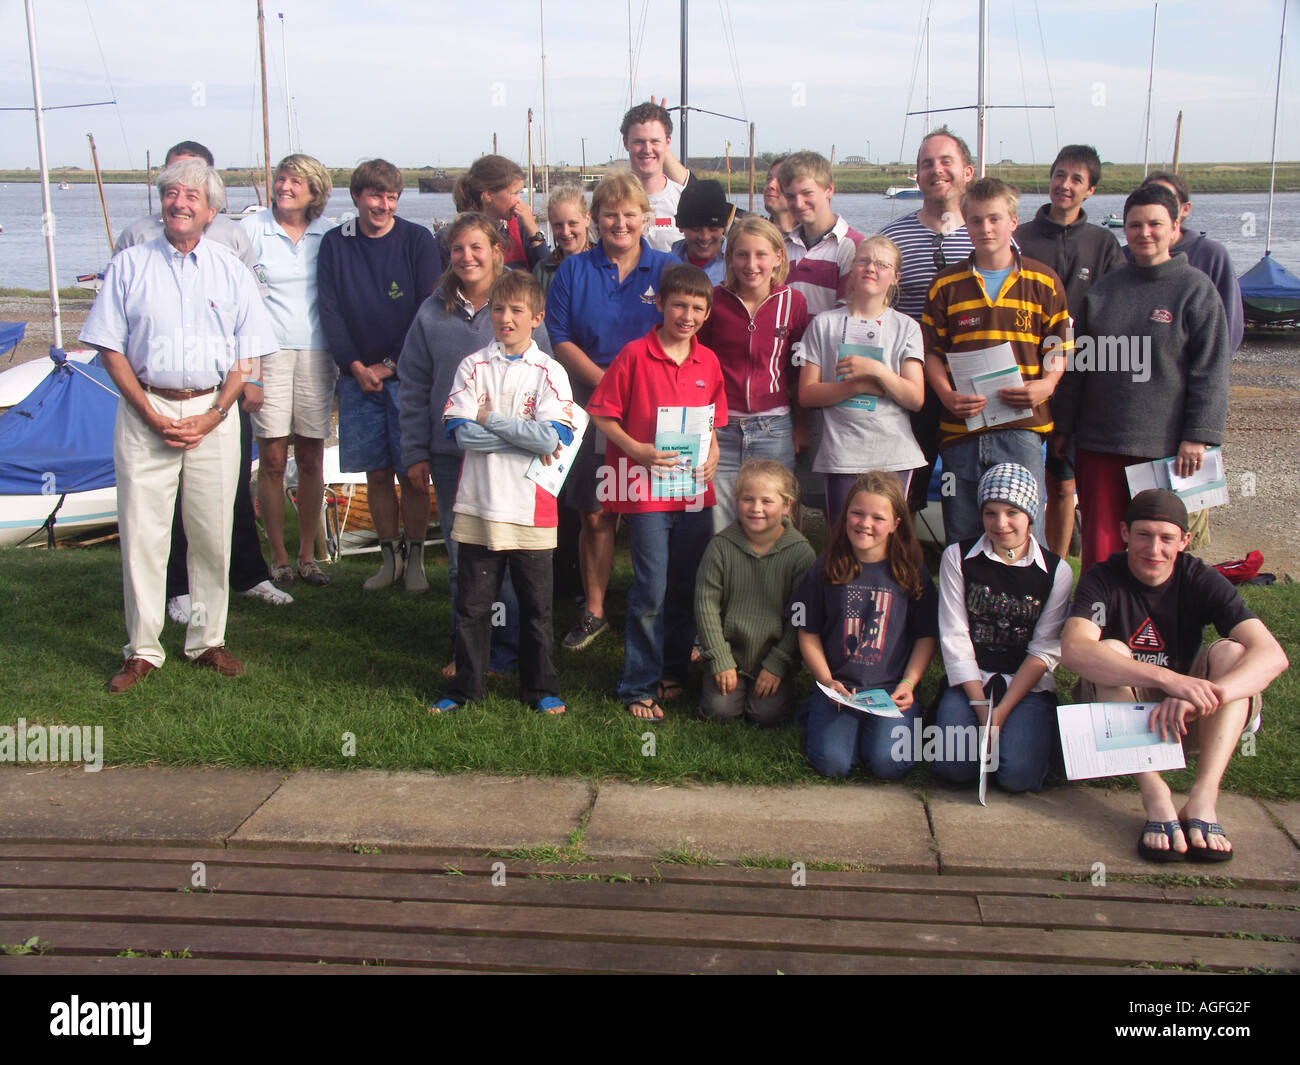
point(667, 376)
point(994, 300)
point(508, 402)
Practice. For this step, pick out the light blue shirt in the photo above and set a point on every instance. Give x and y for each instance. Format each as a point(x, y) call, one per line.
point(715, 268)
point(288, 271)
point(182, 321)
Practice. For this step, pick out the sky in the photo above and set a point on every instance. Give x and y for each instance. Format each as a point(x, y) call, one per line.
point(421, 84)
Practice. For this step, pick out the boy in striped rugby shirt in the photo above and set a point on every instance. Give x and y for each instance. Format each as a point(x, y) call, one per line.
point(996, 296)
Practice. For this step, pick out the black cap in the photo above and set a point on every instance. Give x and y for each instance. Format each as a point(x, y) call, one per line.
point(1156, 504)
point(703, 203)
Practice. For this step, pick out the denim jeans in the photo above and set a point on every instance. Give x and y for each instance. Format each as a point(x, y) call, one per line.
point(762, 436)
point(666, 551)
point(838, 738)
point(1024, 745)
point(444, 470)
point(968, 460)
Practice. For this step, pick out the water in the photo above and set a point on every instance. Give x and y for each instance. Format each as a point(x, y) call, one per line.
point(81, 246)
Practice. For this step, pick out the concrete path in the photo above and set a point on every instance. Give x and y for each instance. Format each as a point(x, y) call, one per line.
point(890, 828)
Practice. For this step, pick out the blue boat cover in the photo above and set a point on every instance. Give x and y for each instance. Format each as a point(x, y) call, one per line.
point(10, 334)
point(1269, 280)
point(60, 438)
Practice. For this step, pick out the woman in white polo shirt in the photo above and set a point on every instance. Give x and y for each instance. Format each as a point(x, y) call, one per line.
point(298, 379)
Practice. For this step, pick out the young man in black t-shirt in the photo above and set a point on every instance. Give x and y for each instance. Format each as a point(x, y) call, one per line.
point(1134, 635)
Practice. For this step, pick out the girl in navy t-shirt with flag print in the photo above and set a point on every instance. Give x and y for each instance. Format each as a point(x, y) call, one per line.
point(867, 616)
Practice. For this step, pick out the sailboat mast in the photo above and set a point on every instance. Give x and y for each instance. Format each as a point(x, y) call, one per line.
point(288, 105)
point(546, 174)
point(266, 121)
point(99, 183)
point(1272, 155)
point(47, 226)
point(1151, 76)
point(681, 143)
point(979, 102)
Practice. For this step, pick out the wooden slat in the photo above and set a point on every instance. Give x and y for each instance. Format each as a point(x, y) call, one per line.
point(1114, 888)
point(51, 965)
point(1136, 916)
point(518, 890)
point(494, 954)
point(703, 930)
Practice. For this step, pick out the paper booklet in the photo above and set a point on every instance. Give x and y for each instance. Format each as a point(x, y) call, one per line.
point(869, 701)
point(688, 431)
point(1207, 487)
point(551, 478)
point(860, 336)
point(982, 373)
point(1113, 739)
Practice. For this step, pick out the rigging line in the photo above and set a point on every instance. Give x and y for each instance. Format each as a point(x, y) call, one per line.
point(729, 35)
point(1024, 88)
point(109, 78)
point(63, 107)
point(911, 88)
point(1051, 96)
point(75, 368)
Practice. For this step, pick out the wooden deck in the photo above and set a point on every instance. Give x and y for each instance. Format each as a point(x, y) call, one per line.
point(288, 911)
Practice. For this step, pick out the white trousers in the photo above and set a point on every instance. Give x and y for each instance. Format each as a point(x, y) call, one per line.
point(149, 472)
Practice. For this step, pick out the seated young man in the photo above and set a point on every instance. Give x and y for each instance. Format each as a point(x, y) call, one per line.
point(1134, 635)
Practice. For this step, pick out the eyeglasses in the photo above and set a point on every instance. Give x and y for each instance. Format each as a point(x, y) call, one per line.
point(878, 265)
point(937, 246)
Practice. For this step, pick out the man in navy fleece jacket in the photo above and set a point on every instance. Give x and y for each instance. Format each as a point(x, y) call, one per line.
point(373, 273)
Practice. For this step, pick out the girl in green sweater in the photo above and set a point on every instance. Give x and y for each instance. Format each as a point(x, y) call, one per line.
point(746, 578)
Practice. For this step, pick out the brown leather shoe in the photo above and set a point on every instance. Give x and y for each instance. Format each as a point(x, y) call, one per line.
point(221, 660)
point(133, 671)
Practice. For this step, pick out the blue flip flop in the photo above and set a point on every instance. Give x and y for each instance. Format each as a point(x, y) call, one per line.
point(1207, 829)
point(1154, 854)
point(550, 706)
point(445, 706)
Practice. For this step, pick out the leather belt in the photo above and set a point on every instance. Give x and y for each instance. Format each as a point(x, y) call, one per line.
point(178, 394)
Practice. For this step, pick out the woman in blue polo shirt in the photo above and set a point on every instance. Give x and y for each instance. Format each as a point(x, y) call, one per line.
point(598, 302)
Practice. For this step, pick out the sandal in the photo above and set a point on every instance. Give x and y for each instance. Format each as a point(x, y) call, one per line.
point(550, 706)
point(1160, 854)
point(1205, 853)
point(652, 708)
point(310, 573)
point(282, 576)
point(669, 691)
point(445, 706)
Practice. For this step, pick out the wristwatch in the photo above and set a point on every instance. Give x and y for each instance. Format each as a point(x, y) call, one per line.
point(223, 411)
point(390, 365)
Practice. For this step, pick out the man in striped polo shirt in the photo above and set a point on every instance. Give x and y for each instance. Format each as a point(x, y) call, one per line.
point(930, 240)
point(994, 297)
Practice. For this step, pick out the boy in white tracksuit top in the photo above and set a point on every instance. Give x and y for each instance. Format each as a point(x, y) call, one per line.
point(508, 403)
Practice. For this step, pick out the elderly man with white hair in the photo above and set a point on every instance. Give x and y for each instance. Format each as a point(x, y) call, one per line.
point(172, 323)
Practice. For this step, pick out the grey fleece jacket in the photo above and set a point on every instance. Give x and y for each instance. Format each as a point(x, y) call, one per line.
point(1150, 365)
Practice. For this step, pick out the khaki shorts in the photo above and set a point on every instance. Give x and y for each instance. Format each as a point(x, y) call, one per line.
point(1201, 671)
point(299, 389)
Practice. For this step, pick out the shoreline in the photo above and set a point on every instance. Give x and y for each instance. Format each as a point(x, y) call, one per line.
point(1230, 177)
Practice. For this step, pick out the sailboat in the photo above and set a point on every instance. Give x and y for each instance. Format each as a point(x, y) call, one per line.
point(1270, 294)
point(56, 444)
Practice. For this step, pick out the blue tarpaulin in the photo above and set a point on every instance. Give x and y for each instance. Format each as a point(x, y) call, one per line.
point(1269, 280)
point(60, 438)
point(10, 334)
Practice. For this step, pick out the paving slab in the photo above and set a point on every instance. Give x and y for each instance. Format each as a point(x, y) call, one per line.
point(1288, 813)
point(1068, 830)
point(129, 804)
point(416, 811)
point(883, 826)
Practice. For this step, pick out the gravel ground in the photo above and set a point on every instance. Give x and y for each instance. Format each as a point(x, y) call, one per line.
point(1261, 452)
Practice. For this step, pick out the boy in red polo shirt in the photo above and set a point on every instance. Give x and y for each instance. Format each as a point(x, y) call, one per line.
point(667, 376)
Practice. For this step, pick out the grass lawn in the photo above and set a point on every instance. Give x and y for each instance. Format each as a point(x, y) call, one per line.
point(342, 661)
